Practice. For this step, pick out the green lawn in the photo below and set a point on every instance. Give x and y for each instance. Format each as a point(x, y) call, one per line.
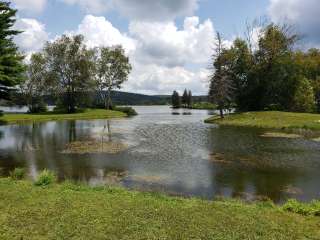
point(67, 211)
point(50, 116)
point(275, 119)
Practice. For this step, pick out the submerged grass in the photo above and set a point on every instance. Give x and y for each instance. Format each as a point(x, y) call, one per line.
point(271, 119)
point(69, 211)
point(52, 116)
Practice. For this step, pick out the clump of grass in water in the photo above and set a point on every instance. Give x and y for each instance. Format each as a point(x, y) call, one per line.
point(305, 209)
point(17, 174)
point(45, 178)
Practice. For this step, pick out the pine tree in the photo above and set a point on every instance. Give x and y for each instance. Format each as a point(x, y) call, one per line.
point(190, 99)
point(185, 98)
point(221, 84)
point(175, 100)
point(11, 61)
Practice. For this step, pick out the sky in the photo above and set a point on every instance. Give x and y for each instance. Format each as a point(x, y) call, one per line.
point(169, 42)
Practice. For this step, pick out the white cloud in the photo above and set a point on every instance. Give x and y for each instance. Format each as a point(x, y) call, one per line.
point(154, 79)
point(304, 14)
point(30, 5)
point(33, 36)
point(100, 32)
point(164, 44)
point(91, 6)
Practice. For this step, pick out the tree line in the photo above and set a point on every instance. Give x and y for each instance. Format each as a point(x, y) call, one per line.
point(184, 101)
point(273, 75)
point(66, 69)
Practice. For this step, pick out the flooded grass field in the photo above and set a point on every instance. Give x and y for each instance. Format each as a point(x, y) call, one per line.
point(170, 151)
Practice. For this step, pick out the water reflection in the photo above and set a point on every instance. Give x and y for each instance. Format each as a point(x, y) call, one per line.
point(178, 154)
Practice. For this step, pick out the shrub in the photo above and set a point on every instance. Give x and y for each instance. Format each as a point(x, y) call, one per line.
point(17, 174)
point(1, 113)
point(127, 110)
point(45, 178)
point(306, 209)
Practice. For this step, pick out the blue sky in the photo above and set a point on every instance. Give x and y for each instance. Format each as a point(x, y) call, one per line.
point(169, 42)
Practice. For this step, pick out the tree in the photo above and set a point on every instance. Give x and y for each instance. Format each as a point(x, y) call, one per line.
point(112, 70)
point(221, 86)
point(190, 99)
point(35, 86)
point(184, 99)
point(176, 102)
point(304, 99)
point(69, 69)
point(11, 61)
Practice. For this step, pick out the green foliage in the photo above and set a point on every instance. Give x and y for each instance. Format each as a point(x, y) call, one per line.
point(272, 76)
point(1, 113)
point(112, 69)
point(305, 209)
point(45, 178)
point(204, 105)
point(17, 174)
point(11, 61)
point(175, 99)
point(127, 110)
point(221, 90)
point(304, 99)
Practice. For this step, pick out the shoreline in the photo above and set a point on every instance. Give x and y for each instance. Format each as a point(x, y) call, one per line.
point(270, 120)
point(88, 114)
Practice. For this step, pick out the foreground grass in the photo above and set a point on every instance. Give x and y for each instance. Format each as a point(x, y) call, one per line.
point(279, 120)
point(67, 211)
point(51, 116)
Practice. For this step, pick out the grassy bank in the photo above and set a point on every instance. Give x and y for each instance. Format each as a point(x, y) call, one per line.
point(67, 211)
point(204, 106)
point(51, 116)
point(278, 120)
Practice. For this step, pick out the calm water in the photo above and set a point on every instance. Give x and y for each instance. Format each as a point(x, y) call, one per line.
point(169, 151)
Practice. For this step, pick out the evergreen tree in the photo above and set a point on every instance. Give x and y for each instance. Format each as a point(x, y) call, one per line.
point(184, 99)
point(11, 61)
point(176, 102)
point(190, 102)
point(221, 85)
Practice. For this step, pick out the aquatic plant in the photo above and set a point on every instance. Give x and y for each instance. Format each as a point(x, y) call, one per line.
point(306, 209)
point(17, 174)
point(45, 178)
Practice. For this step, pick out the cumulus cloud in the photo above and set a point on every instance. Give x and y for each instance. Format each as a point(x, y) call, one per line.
point(100, 32)
point(160, 10)
point(91, 6)
point(154, 79)
point(33, 36)
point(164, 44)
point(301, 13)
point(30, 5)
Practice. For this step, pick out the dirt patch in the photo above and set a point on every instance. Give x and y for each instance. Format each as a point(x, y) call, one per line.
point(280, 135)
point(149, 179)
point(94, 146)
point(292, 190)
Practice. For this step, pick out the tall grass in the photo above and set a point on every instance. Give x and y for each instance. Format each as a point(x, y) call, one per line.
point(45, 178)
point(17, 174)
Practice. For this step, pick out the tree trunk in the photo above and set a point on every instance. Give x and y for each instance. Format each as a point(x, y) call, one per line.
point(221, 112)
point(108, 100)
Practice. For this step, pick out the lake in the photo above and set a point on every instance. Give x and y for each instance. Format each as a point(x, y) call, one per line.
point(165, 150)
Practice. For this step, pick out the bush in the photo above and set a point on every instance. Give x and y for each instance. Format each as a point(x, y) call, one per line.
point(17, 174)
point(305, 209)
point(1, 113)
point(127, 110)
point(45, 178)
